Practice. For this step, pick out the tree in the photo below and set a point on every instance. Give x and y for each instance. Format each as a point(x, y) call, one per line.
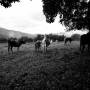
point(7, 3)
point(74, 14)
point(39, 37)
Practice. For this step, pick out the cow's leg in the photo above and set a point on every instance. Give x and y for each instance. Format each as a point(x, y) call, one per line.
point(46, 48)
point(88, 47)
point(65, 42)
point(83, 47)
point(35, 48)
point(17, 48)
point(39, 48)
point(8, 48)
point(80, 46)
point(11, 49)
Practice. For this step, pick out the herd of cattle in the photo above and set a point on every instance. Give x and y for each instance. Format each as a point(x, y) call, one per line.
point(84, 41)
point(13, 42)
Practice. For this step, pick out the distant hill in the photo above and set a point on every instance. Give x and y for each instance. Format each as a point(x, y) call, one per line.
point(5, 33)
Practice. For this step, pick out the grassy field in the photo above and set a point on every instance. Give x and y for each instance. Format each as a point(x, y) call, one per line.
point(63, 67)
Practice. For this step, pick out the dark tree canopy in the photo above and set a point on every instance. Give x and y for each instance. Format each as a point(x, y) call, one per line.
point(74, 14)
point(7, 3)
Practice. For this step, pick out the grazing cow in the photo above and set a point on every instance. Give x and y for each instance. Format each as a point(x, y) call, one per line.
point(13, 42)
point(67, 39)
point(37, 45)
point(84, 40)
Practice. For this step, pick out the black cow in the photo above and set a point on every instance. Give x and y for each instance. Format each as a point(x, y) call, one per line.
point(47, 43)
point(85, 41)
point(13, 42)
point(37, 45)
point(67, 39)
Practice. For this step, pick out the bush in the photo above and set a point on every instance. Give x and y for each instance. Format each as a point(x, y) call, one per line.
point(26, 39)
point(39, 37)
point(3, 40)
point(56, 37)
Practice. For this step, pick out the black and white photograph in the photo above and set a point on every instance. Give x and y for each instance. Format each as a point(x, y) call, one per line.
point(44, 44)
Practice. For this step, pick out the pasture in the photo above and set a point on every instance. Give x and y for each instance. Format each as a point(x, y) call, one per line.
point(63, 67)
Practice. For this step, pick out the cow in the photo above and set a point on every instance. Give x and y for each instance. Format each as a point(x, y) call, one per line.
point(67, 39)
point(13, 42)
point(85, 41)
point(37, 45)
point(46, 42)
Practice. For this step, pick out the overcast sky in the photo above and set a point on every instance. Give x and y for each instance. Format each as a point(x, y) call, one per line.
point(27, 16)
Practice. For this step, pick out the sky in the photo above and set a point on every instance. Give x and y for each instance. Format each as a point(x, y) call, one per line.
point(27, 16)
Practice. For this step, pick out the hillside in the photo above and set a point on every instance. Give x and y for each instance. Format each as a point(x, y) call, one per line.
point(5, 33)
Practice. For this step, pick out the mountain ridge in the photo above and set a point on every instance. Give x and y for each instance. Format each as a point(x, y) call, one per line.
point(6, 33)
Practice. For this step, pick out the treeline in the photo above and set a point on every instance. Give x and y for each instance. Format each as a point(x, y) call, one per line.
point(52, 37)
point(55, 37)
point(25, 38)
point(3, 40)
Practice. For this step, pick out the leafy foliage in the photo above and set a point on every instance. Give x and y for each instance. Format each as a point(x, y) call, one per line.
point(55, 37)
point(7, 3)
point(73, 13)
point(38, 37)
